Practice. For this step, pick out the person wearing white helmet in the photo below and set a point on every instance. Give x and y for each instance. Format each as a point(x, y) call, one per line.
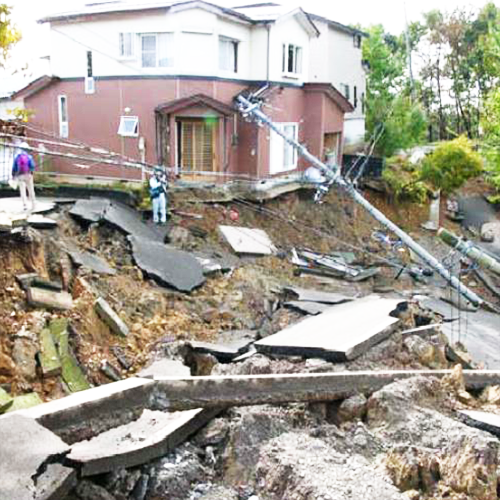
point(158, 192)
point(23, 169)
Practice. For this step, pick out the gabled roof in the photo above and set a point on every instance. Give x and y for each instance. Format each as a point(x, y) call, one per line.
point(338, 26)
point(195, 100)
point(332, 93)
point(35, 86)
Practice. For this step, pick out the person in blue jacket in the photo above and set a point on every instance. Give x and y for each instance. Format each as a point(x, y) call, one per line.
point(158, 192)
point(23, 169)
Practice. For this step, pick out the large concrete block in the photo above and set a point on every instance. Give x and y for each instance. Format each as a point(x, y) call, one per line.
point(106, 313)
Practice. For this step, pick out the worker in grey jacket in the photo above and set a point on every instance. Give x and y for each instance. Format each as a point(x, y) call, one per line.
point(158, 192)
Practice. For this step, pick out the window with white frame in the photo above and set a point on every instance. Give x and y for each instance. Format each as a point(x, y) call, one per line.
point(126, 45)
point(63, 116)
point(228, 54)
point(129, 126)
point(157, 50)
point(346, 90)
point(283, 156)
point(292, 59)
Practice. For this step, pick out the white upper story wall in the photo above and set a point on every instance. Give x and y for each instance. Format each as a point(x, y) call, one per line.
point(188, 42)
point(336, 57)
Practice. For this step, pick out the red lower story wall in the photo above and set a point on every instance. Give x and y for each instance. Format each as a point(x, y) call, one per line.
point(242, 148)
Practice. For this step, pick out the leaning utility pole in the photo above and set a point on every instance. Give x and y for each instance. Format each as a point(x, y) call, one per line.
point(252, 109)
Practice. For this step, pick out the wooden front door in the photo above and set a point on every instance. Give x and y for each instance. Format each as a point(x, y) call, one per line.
point(197, 144)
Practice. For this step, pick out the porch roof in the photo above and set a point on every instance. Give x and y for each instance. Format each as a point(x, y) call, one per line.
point(195, 100)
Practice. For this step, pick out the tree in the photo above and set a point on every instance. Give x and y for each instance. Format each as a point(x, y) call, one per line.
point(491, 136)
point(390, 112)
point(9, 35)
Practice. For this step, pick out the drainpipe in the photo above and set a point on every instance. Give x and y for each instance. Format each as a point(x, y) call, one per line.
point(268, 27)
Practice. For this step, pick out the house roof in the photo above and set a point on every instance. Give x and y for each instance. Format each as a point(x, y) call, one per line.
point(195, 100)
point(332, 93)
point(338, 26)
point(35, 86)
point(263, 12)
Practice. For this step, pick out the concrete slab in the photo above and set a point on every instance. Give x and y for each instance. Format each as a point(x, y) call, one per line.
point(24, 401)
point(26, 447)
point(153, 435)
point(90, 210)
point(448, 311)
point(307, 295)
point(245, 240)
point(130, 222)
point(91, 262)
point(13, 205)
point(165, 368)
point(106, 313)
point(485, 421)
point(312, 308)
point(477, 211)
point(49, 357)
point(72, 374)
point(168, 266)
point(342, 332)
point(40, 222)
point(49, 299)
point(213, 262)
point(222, 353)
point(5, 400)
point(478, 332)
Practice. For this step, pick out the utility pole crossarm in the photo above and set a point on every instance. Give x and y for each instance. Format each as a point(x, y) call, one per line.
point(252, 109)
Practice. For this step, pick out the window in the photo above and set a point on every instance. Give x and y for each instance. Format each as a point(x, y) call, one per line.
point(356, 41)
point(292, 59)
point(157, 50)
point(129, 126)
point(89, 79)
point(63, 116)
point(283, 156)
point(89, 63)
point(126, 44)
point(346, 91)
point(228, 54)
point(355, 103)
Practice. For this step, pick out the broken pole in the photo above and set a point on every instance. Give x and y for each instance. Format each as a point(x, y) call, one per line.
point(174, 394)
point(253, 108)
point(470, 250)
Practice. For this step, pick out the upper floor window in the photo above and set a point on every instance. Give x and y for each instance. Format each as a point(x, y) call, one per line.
point(292, 59)
point(228, 54)
point(346, 90)
point(157, 50)
point(356, 40)
point(126, 44)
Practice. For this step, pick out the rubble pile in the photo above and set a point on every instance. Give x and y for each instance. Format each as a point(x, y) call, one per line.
point(314, 349)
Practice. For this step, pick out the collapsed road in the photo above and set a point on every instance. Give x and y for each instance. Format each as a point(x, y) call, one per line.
point(237, 378)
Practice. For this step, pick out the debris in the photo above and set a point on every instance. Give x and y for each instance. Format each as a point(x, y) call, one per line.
point(244, 240)
point(333, 265)
point(30, 464)
point(24, 401)
point(39, 297)
point(25, 280)
point(106, 313)
point(8, 222)
point(447, 311)
point(110, 371)
point(423, 331)
point(5, 400)
point(153, 435)
point(39, 282)
point(222, 353)
point(213, 262)
point(167, 265)
point(342, 332)
point(91, 262)
point(433, 223)
point(165, 368)
point(49, 358)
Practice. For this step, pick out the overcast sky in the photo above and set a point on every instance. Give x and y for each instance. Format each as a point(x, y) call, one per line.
point(390, 13)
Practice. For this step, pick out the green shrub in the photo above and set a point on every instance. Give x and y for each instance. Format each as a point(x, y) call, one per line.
point(403, 181)
point(451, 164)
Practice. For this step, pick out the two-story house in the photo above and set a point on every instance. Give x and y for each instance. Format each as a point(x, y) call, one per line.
point(157, 82)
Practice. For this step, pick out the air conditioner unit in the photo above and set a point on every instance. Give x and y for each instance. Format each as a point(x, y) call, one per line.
point(64, 129)
point(89, 85)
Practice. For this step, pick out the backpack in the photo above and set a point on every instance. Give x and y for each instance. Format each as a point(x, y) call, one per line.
point(23, 163)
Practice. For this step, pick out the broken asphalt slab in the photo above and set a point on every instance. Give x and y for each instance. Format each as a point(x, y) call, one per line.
point(165, 368)
point(153, 435)
point(303, 294)
point(311, 308)
point(168, 266)
point(341, 333)
point(90, 261)
point(30, 461)
point(118, 215)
